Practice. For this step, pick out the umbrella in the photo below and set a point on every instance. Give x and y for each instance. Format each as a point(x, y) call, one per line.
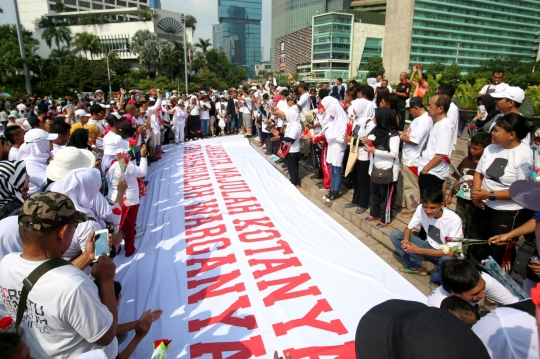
point(4, 94)
point(135, 91)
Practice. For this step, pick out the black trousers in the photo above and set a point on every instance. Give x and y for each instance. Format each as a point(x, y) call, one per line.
point(361, 183)
point(269, 144)
point(380, 205)
point(491, 223)
point(194, 127)
point(293, 166)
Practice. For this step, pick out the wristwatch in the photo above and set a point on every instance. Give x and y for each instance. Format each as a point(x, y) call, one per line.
point(492, 196)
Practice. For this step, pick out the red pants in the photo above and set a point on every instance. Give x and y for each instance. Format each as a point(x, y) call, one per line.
point(128, 227)
point(325, 167)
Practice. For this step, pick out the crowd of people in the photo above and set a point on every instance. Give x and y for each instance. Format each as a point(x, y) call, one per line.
point(73, 169)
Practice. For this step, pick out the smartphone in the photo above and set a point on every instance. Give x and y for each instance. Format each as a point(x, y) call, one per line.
point(101, 239)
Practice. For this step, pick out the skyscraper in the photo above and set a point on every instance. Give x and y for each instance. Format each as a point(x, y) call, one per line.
point(289, 16)
point(464, 31)
point(240, 32)
point(215, 37)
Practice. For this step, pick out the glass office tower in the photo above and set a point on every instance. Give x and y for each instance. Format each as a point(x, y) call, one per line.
point(240, 32)
point(289, 16)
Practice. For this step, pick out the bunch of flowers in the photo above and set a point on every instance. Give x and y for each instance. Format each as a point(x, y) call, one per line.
point(160, 348)
point(123, 160)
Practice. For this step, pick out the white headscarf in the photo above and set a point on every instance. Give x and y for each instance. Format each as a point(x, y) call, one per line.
point(38, 151)
point(112, 144)
point(82, 186)
point(365, 109)
point(338, 126)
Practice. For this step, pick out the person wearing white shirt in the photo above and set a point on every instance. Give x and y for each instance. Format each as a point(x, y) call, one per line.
point(194, 119)
point(460, 277)
point(383, 150)
point(204, 113)
point(452, 113)
point(432, 169)
point(304, 101)
point(414, 140)
point(364, 110)
point(246, 107)
point(496, 84)
point(291, 137)
point(439, 223)
point(179, 121)
point(503, 162)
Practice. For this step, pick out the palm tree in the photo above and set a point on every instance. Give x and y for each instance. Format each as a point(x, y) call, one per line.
point(203, 45)
point(60, 55)
point(146, 45)
point(59, 7)
point(58, 34)
point(86, 42)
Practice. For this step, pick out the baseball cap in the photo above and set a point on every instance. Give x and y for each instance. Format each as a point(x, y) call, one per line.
point(180, 102)
point(526, 194)
point(412, 330)
point(68, 159)
point(513, 93)
point(253, 88)
point(37, 134)
point(82, 113)
point(413, 102)
point(104, 106)
point(47, 210)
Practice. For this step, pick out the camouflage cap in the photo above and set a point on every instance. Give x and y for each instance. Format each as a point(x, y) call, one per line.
point(47, 210)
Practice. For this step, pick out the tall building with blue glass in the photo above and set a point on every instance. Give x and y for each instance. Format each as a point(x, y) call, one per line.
point(155, 4)
point(464, 31)
point(240, 32)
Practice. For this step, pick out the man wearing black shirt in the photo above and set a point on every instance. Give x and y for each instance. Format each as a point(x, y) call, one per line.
point(403, 90)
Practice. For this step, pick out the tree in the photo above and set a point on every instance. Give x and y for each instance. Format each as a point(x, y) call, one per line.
point(374, 66)
point(60, 55)
point(57, 34)
point(203, 45)
point(59, 7)
point(191, 22)
point(435, 68)
point(11, 69)
point(146, 45)
point(86, 43)
point(452, 75)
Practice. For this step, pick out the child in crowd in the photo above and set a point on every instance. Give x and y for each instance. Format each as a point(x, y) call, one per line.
point(63, 130)
point(468, 212)
point(15, 135)
point(461, 309)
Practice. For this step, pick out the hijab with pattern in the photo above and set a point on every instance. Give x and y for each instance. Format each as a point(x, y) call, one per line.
point(12, 177)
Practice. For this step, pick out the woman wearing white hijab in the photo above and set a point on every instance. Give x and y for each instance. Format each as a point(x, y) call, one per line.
point(291, 137)
point(36, 152)
point(81, 186)
point(334, 134)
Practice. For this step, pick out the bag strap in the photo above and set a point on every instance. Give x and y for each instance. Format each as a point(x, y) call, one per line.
point(30, 281)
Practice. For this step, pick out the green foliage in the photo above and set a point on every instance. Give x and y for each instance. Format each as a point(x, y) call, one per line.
point(203, 45)
point(452, 75)
point(57, 34)
point(533, 95)
point(59, 7)
point(86, 43)
point(374, 66)
point(191, 21)
point(467, 93)
point(435, 68)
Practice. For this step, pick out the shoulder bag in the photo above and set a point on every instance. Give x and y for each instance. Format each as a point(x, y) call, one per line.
point(31, 280)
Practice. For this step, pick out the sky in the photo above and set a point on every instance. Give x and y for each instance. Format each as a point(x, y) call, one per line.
point(205, 11)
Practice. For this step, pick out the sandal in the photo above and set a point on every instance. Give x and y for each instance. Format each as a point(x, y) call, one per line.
point(384, 225)
point(370, 218)
point(410, 271)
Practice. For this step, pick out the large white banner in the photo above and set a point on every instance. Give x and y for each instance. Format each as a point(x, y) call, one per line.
point(242, 264)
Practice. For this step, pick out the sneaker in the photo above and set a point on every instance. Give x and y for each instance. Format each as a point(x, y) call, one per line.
point(350, 205)
point(281, 160)
point(139, 235)
point(361, 210)
point(327, 195)
point(322, 188)
point(195, 139)
point(335, 195)
point(213, 135)
point(406, 213)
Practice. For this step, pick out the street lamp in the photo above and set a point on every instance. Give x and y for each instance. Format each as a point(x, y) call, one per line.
point(109, 71)
point(185, 55)
point(21, 48)
point(458, 44)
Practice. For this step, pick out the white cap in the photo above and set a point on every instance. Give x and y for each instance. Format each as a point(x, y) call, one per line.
point(537, 133)
point(112, 102)
point(81, 112)
point(37, 134)
point(513, 93)
point(68, 159)
point(254, 88)
point(114, 144)
point(104, 106)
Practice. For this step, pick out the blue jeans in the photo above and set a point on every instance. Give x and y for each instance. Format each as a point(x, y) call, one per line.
point(204, 126)
point(412, 260)
point(233, 123)
point(335, 177)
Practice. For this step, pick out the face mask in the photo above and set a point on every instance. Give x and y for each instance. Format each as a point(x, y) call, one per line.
point(482, 108)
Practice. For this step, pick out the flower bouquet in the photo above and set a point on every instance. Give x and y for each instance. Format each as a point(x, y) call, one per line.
point(371, 138)
point(160, 348)
point(123, 160)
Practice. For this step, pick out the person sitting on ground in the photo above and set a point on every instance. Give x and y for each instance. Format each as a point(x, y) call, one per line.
point(460, 277)
point(407, 329)
point(15, 135)
point(461, 309)
point(439, 222)
point(47, 223)
point(63, 130)
point(36, 152)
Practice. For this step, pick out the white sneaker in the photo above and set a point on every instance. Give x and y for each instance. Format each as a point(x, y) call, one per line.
point(139, 234)
point(138, 225)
